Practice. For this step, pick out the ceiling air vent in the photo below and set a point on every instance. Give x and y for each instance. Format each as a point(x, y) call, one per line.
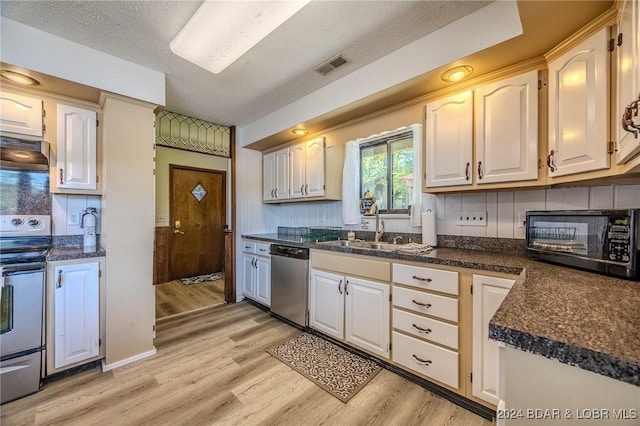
point(330, 65)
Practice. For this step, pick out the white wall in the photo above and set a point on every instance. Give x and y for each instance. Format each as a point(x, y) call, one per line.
point(62, 206)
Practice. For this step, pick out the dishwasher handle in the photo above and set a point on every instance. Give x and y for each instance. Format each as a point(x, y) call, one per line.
point(289, 251)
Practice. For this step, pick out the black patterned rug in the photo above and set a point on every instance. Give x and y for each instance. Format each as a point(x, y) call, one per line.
point(338, 371)
point(202, 278)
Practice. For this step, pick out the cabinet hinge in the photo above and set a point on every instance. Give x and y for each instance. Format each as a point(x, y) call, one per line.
point(611, 147)
point(44, 127)
point(154, 328)
point(100, 341)
point(619, 43)
point(99, 273)
point(471, 377)
point(97, 178)
point(154, 172)
point(44, 113)
point(323, 187)
point(611, 44)
point(97, 123)
point(389, 347)
point(539, 84)
point(471, 288)
point(390, 297)
point(539, 163)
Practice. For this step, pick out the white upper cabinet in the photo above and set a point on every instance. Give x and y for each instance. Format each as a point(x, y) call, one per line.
point(449, 140)
point(298, 167)
point(76, 161)
point(20, 114)
point(628, 81)
point(507, 130)
point(578, 108)
point(275, 175)
point(314, 168)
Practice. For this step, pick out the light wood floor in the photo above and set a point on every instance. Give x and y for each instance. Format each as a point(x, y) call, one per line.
point(173, 297)
point(212, 369)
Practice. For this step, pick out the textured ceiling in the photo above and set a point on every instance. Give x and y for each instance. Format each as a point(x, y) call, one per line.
point(275, 73)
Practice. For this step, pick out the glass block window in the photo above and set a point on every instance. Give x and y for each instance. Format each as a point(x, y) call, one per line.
point(192, 134)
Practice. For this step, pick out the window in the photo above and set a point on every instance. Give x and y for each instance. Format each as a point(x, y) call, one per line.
point(386, 171)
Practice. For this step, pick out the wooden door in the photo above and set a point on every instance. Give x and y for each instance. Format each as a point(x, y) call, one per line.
point(198, 218)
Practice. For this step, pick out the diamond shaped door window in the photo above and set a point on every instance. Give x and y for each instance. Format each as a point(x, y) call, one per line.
point(199, 192)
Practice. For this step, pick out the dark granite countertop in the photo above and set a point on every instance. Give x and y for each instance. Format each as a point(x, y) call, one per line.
point(70, 253)
point(579, 318)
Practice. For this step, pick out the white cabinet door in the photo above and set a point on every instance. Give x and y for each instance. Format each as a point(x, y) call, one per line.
point(297, 162)
point(263, 280)
point(77, 310)
point(488, 294)
point(282, 177)
point(248, 275)
point(449, 140)
point(326, 303)
point(269, 176)
point(314, 171)
point(76, 148)
point(367, 315)
point(578, 108)
point(507, 130)
point(628, 81)
point(20, 114)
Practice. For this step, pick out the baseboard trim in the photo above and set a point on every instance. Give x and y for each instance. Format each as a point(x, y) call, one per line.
point(109, 367)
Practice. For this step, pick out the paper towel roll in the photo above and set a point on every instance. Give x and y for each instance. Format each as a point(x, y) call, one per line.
point(429, 229)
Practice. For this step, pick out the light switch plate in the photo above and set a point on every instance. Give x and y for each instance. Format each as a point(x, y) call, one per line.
point(472, 218)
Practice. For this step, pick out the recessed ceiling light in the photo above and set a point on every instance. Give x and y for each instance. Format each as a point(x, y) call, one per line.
point(222, 31)
point(457, 73)
point(298, 131)
point(19, 78)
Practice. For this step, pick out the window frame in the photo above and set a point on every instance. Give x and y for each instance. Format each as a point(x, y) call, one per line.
point(387, 140)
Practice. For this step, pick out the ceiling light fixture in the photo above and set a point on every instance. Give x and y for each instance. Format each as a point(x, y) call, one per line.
point(19, 78)
point(298, 131)
point(457, 73)
point(222, 31)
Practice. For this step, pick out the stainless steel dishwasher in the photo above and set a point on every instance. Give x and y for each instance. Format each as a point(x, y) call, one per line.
point(290, 283)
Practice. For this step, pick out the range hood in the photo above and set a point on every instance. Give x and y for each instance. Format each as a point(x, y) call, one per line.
point(19, 153)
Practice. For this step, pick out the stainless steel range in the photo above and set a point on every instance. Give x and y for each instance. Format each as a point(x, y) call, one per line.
point(24, 242)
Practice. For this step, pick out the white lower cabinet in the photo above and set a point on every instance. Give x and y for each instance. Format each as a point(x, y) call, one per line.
point(351, 309)
point(256, 272)
point(74, 313)
point(488, 294)
point(427, 359)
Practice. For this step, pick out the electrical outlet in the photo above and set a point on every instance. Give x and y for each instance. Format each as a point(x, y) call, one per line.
point(162, 220)
point(475, 218)
point(73, 219)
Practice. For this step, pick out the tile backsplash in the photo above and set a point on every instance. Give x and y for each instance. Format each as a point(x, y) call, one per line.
point(505, 210)
point(66, 213)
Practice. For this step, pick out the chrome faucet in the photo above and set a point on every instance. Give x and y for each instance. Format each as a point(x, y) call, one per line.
point(379, 222)
point(396, 239)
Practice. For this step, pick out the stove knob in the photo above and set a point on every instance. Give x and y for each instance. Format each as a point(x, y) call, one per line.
point(34, 222)
point(17, 221)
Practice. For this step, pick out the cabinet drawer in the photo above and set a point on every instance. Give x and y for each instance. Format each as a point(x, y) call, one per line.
point(429, 360)
point(426, 303)
point(426, 328)
point(262, 249)
point(248, 247)
point(426, 278)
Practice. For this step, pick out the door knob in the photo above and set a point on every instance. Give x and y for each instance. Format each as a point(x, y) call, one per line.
point(177, 231)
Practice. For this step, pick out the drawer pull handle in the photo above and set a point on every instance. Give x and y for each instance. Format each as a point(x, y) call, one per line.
point(340, 287)
point(421, 361)
point(346, 291)
point(59, 283)
point(421, 330)
point(415, 277)
point(426, 305)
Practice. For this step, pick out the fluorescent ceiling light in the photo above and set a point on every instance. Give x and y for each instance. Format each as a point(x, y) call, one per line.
point(222, 31)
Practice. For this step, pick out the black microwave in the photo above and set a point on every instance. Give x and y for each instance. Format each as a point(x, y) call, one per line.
point(604, 241)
